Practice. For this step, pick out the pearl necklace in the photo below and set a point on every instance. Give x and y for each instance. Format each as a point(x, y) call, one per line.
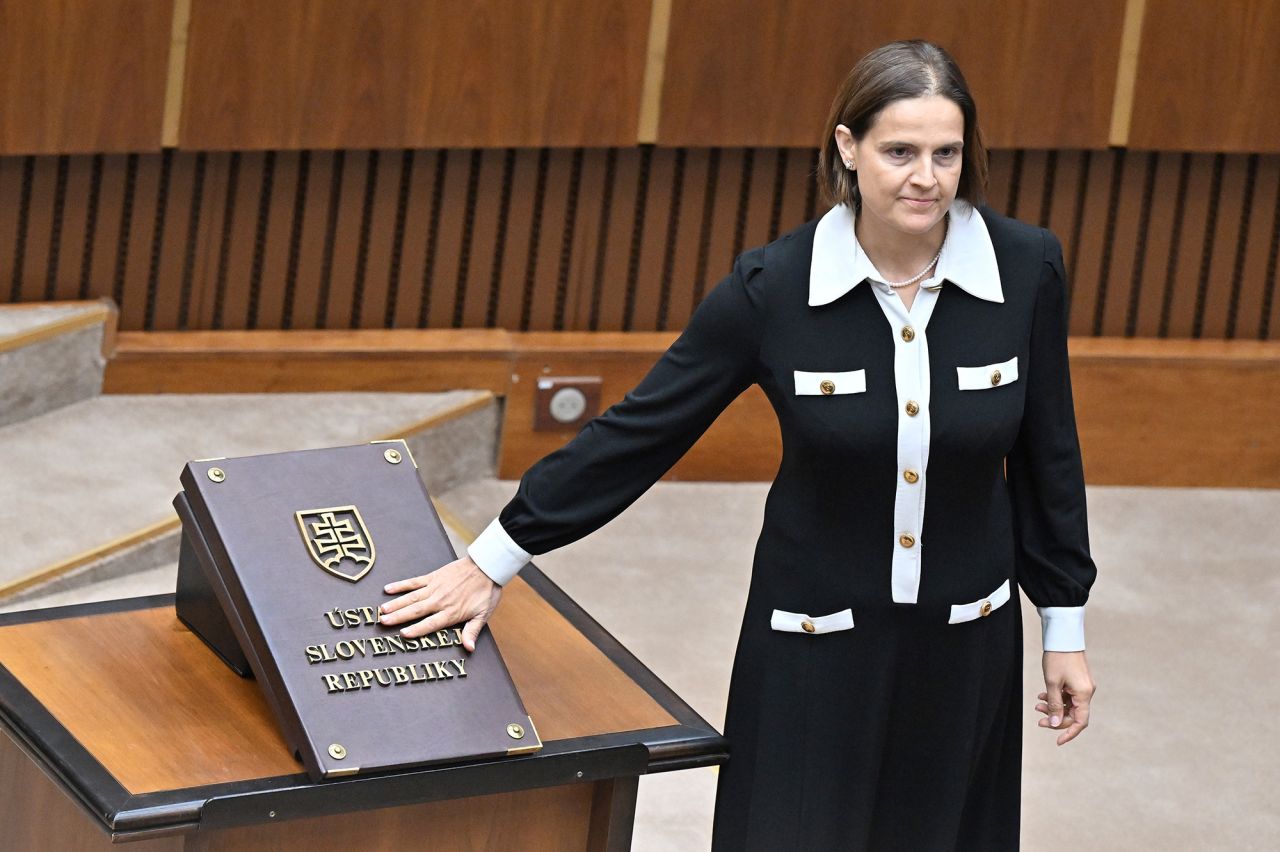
point(898, 285)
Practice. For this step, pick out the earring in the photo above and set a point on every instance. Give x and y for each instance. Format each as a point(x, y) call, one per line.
point(848, 165)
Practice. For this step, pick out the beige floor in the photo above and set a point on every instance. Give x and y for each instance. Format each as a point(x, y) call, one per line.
point(1183, 753)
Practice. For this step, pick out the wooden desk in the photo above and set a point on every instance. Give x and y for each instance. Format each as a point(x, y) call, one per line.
point(120, 725)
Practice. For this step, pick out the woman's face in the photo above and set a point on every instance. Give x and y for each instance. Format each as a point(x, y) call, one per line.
point(908, 163)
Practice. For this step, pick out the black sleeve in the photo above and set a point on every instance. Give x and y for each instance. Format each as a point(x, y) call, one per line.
point(1046, 477)
point(618, 455)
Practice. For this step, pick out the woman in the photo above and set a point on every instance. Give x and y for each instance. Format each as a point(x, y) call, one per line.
point(905, 339)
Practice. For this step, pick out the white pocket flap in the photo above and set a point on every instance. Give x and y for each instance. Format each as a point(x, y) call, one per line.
point(828, 383)
point(798, 622)
point(990, 376)
point(977, 609)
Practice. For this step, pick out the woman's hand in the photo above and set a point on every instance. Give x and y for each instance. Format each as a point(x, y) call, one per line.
point(1068, 690)
point(450, 595)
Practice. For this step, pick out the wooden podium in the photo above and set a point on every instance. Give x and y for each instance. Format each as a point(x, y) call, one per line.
point(119, 725)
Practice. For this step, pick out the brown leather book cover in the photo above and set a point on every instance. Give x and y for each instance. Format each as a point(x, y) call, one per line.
point(297, 547)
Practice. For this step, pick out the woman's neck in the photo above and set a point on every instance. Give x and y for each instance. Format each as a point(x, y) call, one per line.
point(897, 255)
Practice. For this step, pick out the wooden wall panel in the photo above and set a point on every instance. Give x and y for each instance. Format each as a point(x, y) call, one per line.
point(602, 239)
point(404, 73)
point(82, 75)
point(1207, 77)
point(764, 73)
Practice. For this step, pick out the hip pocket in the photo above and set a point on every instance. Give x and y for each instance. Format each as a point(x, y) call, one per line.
point(799, 622)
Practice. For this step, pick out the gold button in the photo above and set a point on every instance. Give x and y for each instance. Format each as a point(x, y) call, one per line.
point(807, 626)
point(828, 387)
point(995, 377)
point(907, 540)
point(913, 408)
point(908, 333)
point(986, 608)
point(911, 476)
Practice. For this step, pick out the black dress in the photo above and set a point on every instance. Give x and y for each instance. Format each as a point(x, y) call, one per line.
point(875, 697)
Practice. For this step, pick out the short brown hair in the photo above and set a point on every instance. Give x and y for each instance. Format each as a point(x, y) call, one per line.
point(900, 69)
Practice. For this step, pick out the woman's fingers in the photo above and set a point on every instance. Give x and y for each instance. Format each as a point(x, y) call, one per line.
point(455, 593)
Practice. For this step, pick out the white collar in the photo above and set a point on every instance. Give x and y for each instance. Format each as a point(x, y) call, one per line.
point(839, 264)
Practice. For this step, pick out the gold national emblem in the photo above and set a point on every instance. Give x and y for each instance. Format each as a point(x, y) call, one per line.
point(337, 540)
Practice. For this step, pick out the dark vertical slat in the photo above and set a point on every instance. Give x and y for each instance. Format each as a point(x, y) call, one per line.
point(1048, 184)
point(468, 213)
point(1115, 275)
point(74, 221)
point(397, 259)
point(1012, 208)
point(542, 303)
point(488, 238)
point(1063, 200)
point(92, 217)
point(1188, 247)
point(1031, 186)
point(329, 212)
point(431, 252)
point(298, 219)
point(1262, 224)
point(1242, 245)
point(672, 239)
point(34, 272)
point(105, 235)
point(1091, 247)
point(382, 235)
point(709, 196)
point(345, 237)
point(11, 169)
point(688, 246)
point(230, 190)
point(999, 179)
point(21, 228)
point(362, 239)
point(130, 314)
point(57, 219)
point(448, 227)
point(637, 235)
point(793, 210)
point(502, 221)
point(1270, 304)
point(521, 225)
point(169, 256)
point(261, 227)
point(191, 253)
point(759, 201)
point(273, 266)
point(617, 242)
point(589, 240)
point(812, 194)
point(1137, 285)
point(237, 253)
point(742, 211)
point(417, 226)
point(1206, 271)
point(564, 266)
point(159, 220)
point(722, 245)
point(779, 194)
point(1217, 290)
point(645, 275)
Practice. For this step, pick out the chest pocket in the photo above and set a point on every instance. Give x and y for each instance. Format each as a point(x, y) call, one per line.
point(988, 377)
point(830, 383)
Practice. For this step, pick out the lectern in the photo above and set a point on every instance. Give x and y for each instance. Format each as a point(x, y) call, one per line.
point(118, 725)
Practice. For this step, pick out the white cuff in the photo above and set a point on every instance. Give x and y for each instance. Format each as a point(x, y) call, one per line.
point(1062, 627)
point(497, 555)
